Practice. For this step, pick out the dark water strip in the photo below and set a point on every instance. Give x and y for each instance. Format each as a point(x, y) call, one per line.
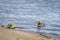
point(54, 25)
point(52, 29)
point(54, 34)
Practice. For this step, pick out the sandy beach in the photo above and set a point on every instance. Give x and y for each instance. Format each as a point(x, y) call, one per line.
point(9, 34)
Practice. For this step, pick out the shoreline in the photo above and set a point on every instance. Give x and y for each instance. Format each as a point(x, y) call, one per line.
point(50, 34)
point(11, 34)
point(43, 34)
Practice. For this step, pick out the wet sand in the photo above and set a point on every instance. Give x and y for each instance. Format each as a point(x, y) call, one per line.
point(9, 34)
